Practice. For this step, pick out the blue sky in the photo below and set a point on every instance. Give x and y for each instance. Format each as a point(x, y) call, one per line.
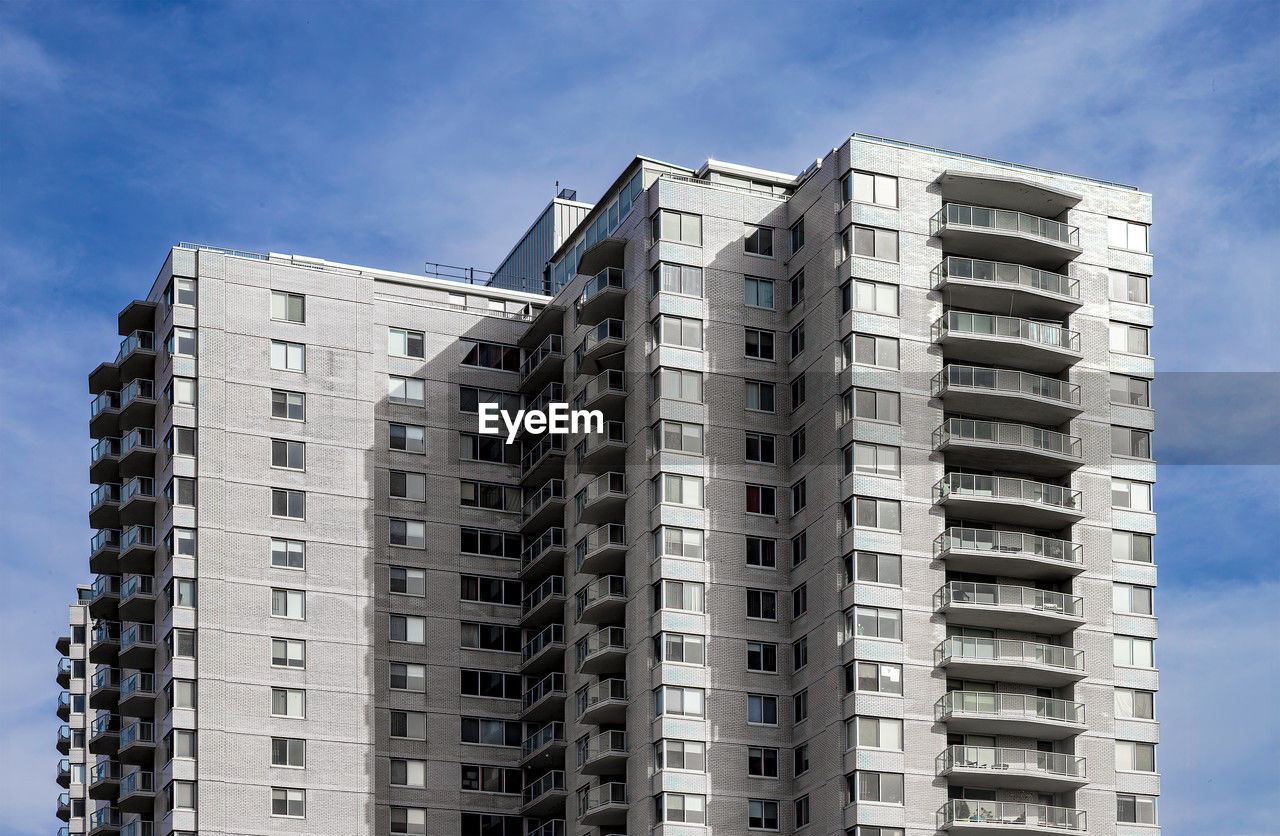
point(394, 134)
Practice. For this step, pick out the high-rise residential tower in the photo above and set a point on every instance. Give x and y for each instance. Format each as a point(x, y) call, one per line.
point(862, 545)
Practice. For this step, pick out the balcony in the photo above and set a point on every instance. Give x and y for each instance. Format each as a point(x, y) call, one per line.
point(544, 795)
point(543, 556)
point(64, 672)
point(104, 821)
point(603, 346)
point(64, 806)
point(63, 643)
point(604, 498)
point(545, 700)
point(553, 392)
point(551, 827)
point(1000, 446)
point(138, 647)
point(603, 804)
point(104, 780)
point(603, 600)
point(1007, 499)
point(137, 405)
point(1009, 660)
point(137, 452)
point(603, 754)
point(604, 550)
point(542, 460)
point(104, 643)
point(1007, 393)
point(544, 604)
point(543, 505)
point(542, 363)
point(104, 415)
point(63, 773)
point(138, 695)
point(1008, 553)
point(104, 736)
point(64, 705)
point(1003, 607)
point(602, 296)
point(544, 652)
point(137, 599)
point(1014, 769)
point(603, 702)
point(1000, 286)
point(138, 501)
point(1008, 817)
point(104, 552)
point(64, 738)
point(106, 597)
point(606, 391)
point(1003, 233)
point(104, 506)
point(546, 745)
point(598, 452)
point(138, 827)
point(605, 649)
point(137, 355)
point(104, 688)
point(138, 550)
point(138, 743)
point(104, 460)
point(137, 792)
point(987, 339)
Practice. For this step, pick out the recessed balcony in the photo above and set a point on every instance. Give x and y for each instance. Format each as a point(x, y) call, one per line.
point(1004, 234)
point(104, 737)
point(63, 773)
point(543, 506)
point(602, 347)
point(106, 597)
point(64, 738)
point(598, 452)
point(138, 695)
point(104, 780)
point(606, 391)
point(104, 643)
point(104, 552)
point(988, 339)
point(104, 506)
point(603, 754)
point(1008, 817)
point(137, 792)
point(138, 647)
point(604, 497)
point(138, 501)
point(603, 702)
point(1007, 393)
point(544, 746)
point(544, 604)
point(1005, 607)
point(603, 650)
point(104, 415)
point(105, 821)
point(104, 461)
point(1013, 769)
point(1000, 286)
point(137, 357)
point(1008, 500)
point(1009, 553)
point(137, 405)
point(603, 551)
point(137, 599)
point(104, 688)
point(542, 363)
point(138, 743)
point(138, 550)
point(544, 795)
point(603, 600)
point(544, 651)
point(1002, 446)
point(1010, 660)
point(603, 295)
point(603, 804)
point(545, 699)
point(542, 460)
point(543, 556)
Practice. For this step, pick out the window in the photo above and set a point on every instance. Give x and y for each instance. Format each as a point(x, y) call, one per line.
point(408, 820)
point(758, 240)
point(677, 384)
point(873, 678)
point(687, 543)
point(181, 292)
point(802, 811)
point(288, 307)
point(291, 455)
point(762, 815)
point(797, 236)
point(485, 590)
point(403, 343)
point(678, 436)
point(406, 390)
point(1135, 809)
point(681, 807)
point(865, 187)
point(800, 707)
point(180, 592)
point(762, 657)
point(869, 296)
point(875, 623)
point(677, 226)
point(1133, 704)
point(680, 648)
point(762, 552)
point(797, 392)
point(1128, 287)
point(489, 495)
point(408, 628)
point(1132, 547)
point(290, 504)
point(797, 288)
point(411, 725)
point(762, 604)
point(871, 405)
point(677, 701)
point(759, 344)
point(498, 779)
point(869, 350)
point(181, 391)
point(497, 637)
point(288, 653)
point(873, 733)
point(1133, 652)
point(870, 242)
point(674, 489)
point(1127, 235)
point(492, 684)
point(1132, 600)
point(1129, 339)
point(470, 398)
point(760, 448)
point(1126, 493)
point(181, 441)
point(797, 340)
point(180, 693)
point(180, 795)
point(798, 444)
point(288, 702)
point(868, 512)
point(406, 485)
point(760, 396)
point(491, 732)
point(1132, 756)
point(762, 500)
point(881, 787)
point(291, 406)
point(289, 357)
point(408, 533)
point(681, 331)
point(406, 581)
point(1130, 391)
point(288, 751)
point(483, 448)
point(180, 643)
point(181, 542)
point(800, 548)
point(799, 497)
point(679, 595)
point(499, 356)
point(289, 603)
point(800, 760)
point(677, 278)
point(762, 709)
point(409, 438)
point(408, 773)
point(799, 600)
point(872, 567)
point(491, 824)
point(1127, 441)
point(181, 490)
point(181, 342)
point(406, 677)
point(758, 293)
point(800, 653)
point(864, 457)
point(180, 743)
point(690, 755)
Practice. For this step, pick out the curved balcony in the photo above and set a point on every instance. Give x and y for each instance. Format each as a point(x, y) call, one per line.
point(602, 804)
point(543, 505)
point(104, 821)
point(1009, 660)
point(138, 501)
point(603, 650)
point(604, 497)
point(1007, 393)
point(64, 739)
point(104, 688)
point(1004, 607)
point(542, 460)
point(1014, 769)
point(543, 556)
point(544, 651)
point(138, 647)
point(138, 743)
point(104, 735)
point(138, 695)
point(603, 346)
point(137, 405)
point(545, 700)
point(104, 780)
point(105, 599)
point(1005, 234)
point(104, 506)
point(1009, 500)
point(138, 550)
point(1008, 553)
point(542, 363)
point(1001, 286)
point(606, 391)
point(988, 339)
point(1000, 446)
point(544, 795)
point(546, 745)
point(137, 792)
point(104, 552)
point(602, 296)
point(544, 604)
point(104, 460)
point(603, 600)
point(138, 599)
point(603, 754)
point(1008, 817)
point(104, 415)
point(599, 452)
point(104, 643)
point(603, 702)
point(63, 773)
point(604, 550)
point(64, 806)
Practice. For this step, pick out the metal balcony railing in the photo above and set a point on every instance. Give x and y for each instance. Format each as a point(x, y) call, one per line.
point(978, 486)
point(1005, 275)
point(605, 743)
point(551, 489)
point(967, 324)
point(550, 635)
point(605, 690)
point(552, 538)
point(552, 781)
point(979, 649)
point(606, 279)
point(552, 346)
point(1007, 435)
point(144, 340)
point(1022, 760)
point(1006, 381)
point(549, 684)
point(1003, 596)
point(1012, 543)
point(1009, 707)
point(602, 640)
point(1011, 813)
point(601, 795)
point(1004, 220)
point(608, 586)
point(552, 586)
point(550, 733)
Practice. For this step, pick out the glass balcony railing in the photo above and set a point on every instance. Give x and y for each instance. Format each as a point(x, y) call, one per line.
point(615, 432)
point(549, 588)
point(139, 731)
point(606, 690)
point(553, 392)
point(1006, 381)
point(550, 635)
point(965, 324)
point(104, 771)
point(138, 827)
point(549, 444)
point(550, 540)
point(107, 538)
point(549, 684)
point(977, 486)
point(105, 678)
point(137, 585)
point(138, 634)
point(106, 631)
point(551, 827)
point(64, 702)
point(552, 346)
point(137, 782)
point(106, 585)
point(608, 382)
point(551, 489)
point(1009, 707)
point(103, 402)
point(1054, 764)
point(1004, 220)
point(1007, 435)
point(1003, 596)
point(544, 736)
point(137, 389)
point(104, 448)
point(104, 817)
point(138, 340)
point(601, 745)
point(106, 724)
point(608, 587)
point(139, 438)
point(549, 782)
point(104, 494)
point(613, 535)
point(612, 483)
point(137, 535)
point(979, 649)
point(601, 795)
point(142, 486)
point(1011, 543)
point(606, 331)
point(1005, 275)
point(601, 641)
point(142, 684)
point(610, 278)
point(1011, 813)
